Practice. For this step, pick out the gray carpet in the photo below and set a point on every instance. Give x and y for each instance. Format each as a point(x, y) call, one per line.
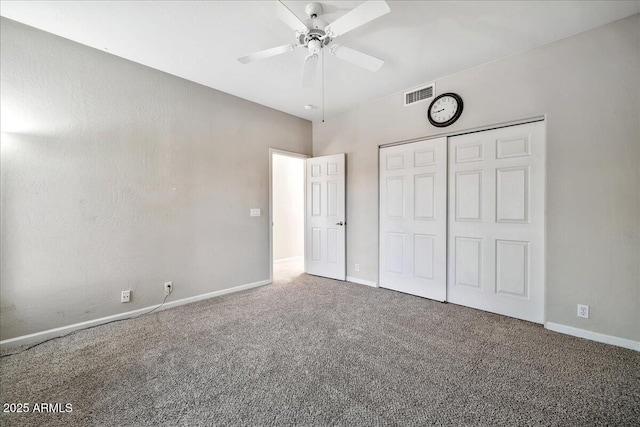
point(313, 351)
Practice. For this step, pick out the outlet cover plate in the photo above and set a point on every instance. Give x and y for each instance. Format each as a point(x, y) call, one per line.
point(583, 311)
point(125, 296)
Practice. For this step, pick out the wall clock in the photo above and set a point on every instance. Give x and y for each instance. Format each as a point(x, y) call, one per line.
point(445, 109)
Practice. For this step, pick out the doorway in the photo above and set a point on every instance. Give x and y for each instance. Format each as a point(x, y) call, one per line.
point(287, 214)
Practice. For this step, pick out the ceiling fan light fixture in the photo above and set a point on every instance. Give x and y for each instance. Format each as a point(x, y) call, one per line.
point(314, 46)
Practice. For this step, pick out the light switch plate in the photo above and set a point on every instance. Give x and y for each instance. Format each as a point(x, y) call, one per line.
point(255, 212)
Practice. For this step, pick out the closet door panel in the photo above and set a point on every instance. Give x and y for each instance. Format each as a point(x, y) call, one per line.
point(413, 218)
point(496, 221)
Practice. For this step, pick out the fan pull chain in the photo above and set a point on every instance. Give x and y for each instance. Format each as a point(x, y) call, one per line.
point(322, 85)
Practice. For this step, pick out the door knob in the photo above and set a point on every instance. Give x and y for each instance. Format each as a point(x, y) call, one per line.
point(339, 223)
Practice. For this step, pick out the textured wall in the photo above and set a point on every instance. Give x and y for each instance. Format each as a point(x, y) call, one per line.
point(588, 87)
point(116, 176)
point(288, 207)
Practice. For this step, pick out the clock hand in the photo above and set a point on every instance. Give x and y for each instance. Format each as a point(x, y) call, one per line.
point(439, 111)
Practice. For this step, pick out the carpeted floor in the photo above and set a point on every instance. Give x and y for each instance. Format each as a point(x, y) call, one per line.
point(312, 351)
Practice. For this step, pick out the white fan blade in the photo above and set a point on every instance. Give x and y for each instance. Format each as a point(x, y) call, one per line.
point(356, 57)
point(367, 11)
point(267, 53)
point(290, 18)
point(309, 70)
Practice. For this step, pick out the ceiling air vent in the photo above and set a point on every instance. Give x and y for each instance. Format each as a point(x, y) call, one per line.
point(421, 94)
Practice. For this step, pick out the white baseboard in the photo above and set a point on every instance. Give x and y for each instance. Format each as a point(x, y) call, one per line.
point(295, 258)
point(361, 281)
point(593, 336)
point(63, 330)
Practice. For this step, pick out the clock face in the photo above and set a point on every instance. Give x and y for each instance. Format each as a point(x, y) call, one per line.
point(445, 110)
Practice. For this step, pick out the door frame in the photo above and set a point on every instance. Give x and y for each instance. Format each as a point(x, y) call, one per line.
point(279, 152)
point(516, 122)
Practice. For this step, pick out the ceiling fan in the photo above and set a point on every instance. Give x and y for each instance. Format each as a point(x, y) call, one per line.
point(315, 34)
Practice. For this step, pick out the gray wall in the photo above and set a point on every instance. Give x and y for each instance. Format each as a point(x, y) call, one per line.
point(116, 176)
point(588, 87)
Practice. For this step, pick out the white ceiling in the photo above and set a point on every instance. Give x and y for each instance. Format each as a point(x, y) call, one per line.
point(420, 41)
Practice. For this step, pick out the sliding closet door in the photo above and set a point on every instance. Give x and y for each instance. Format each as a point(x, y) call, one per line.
point(413, 218)
point(496, 221)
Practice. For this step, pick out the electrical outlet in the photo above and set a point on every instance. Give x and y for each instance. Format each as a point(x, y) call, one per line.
point(357, 267)
point(125, 296)
point(583, 311)
point(168, 288)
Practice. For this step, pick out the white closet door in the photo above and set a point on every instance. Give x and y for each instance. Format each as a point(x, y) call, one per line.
point(413, 218)
point(325, 216)
point(496, 221)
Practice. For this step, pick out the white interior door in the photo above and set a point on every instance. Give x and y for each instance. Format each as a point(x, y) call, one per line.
point(413, 218)
point(496, 221)
point(325, 227)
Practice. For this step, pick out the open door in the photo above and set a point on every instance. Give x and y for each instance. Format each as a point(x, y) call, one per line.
point(325, 227)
